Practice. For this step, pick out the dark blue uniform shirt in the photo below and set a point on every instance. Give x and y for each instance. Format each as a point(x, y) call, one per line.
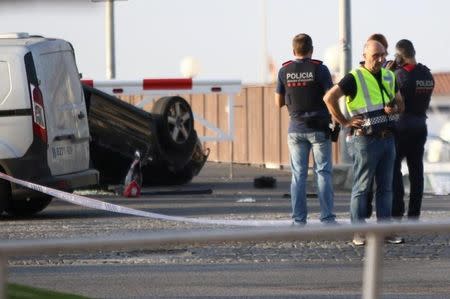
point(324, 78)
point(416, 85)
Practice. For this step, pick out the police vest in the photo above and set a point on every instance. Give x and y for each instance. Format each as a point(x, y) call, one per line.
point(371, 98)
point(416, 86)
point(303, 91)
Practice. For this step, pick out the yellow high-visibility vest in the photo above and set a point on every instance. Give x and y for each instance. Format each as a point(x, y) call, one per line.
point(369, 95)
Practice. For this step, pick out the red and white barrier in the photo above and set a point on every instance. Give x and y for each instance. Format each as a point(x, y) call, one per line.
point(177, 86)
point(165, 86)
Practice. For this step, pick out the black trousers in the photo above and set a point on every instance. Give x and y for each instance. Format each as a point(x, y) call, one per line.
point(410, 145)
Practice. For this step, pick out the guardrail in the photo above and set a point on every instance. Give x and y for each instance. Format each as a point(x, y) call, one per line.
point(373, 252)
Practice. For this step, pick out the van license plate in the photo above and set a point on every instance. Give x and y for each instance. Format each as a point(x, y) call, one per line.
point(64, 152)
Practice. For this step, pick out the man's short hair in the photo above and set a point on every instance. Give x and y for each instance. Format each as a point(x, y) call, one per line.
point(405, 48)
point(379, 38)
point(302, 44)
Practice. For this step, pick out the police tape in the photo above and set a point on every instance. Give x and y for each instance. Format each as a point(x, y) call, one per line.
point(105, 206)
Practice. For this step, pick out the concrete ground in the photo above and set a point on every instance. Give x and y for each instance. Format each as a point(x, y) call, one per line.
point(293, 269)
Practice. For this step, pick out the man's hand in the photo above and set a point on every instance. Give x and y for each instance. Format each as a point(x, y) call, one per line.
point(391, 65)
point(355, 122)
point(391, 109)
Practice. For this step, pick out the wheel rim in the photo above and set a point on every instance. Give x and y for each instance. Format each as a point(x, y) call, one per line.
point(180, 122)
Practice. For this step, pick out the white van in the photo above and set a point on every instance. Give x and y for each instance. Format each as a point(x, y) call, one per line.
point(44, 131)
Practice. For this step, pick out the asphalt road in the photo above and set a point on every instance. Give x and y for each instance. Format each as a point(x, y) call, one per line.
point(420, 268)
point(280, 280)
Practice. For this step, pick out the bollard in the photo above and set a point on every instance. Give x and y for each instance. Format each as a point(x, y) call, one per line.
point(372, 265)
point(3, 276)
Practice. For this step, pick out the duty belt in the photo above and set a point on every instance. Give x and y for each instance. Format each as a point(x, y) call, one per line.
point(378, 134)
point(380, 119)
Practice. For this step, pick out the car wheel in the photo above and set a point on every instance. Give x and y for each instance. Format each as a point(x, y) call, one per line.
point(28, 207)
point(175, 123)
point(5, 194)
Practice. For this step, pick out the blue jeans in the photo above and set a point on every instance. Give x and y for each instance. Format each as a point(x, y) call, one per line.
point(300, 145)
point(372, 157)
point(369, 208)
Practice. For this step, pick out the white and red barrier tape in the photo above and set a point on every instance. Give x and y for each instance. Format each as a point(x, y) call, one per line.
point(101, 205)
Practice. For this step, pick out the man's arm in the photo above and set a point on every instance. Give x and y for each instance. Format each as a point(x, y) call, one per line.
point(279, 100)
point(331, 99)
point(399, 102)
point(398, 107)
point(324, 77)
point(280, 90)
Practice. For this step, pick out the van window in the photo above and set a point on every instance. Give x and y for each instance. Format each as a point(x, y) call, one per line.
point(5, 81)
point(63, 91)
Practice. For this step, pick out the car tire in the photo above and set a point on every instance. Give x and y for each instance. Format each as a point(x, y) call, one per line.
point(5, 194)
point(28, 207)
point(175, 123)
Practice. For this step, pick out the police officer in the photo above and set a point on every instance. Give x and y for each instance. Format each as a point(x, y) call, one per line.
point(382, 40)
point(416, 86)
point(372, 102)
point(302, 83)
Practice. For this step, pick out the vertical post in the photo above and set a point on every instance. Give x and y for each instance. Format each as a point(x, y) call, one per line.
point(109, 40)
point(373, 265)
point(3, 276)
point(345, 37)
point(345, 54)
point(231, 160)
point(264, 58)
point(231, 130)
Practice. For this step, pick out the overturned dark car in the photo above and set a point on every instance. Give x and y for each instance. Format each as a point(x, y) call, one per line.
point(165, 139)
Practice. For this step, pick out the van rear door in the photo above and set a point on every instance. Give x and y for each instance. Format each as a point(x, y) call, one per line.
point(65, 109)
point(15, 110)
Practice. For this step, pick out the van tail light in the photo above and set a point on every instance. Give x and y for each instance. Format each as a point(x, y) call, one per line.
point(39, 128)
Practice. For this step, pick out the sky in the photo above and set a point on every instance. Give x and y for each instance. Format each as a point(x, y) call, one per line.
point(225, 37)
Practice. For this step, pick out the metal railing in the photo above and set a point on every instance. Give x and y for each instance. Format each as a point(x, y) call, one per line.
point(373, 252)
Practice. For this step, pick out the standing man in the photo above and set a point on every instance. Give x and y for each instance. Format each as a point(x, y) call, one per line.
point(382, 40)
point(372, 101)
point(302, 83)
point(416, 85)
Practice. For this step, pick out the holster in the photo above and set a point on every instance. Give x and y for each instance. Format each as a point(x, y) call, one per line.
point(334, 134)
